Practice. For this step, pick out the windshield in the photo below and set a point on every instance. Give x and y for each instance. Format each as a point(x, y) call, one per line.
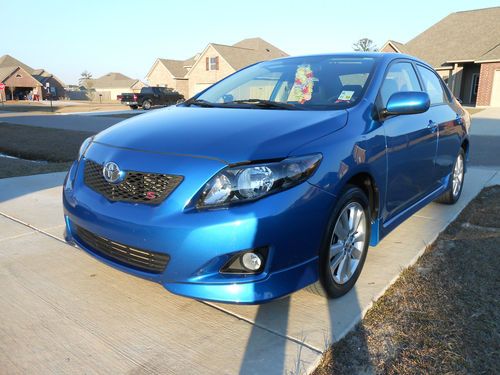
point(313, 82)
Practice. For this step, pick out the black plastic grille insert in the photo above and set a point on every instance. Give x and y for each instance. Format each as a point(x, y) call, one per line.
point(143, 260)
point(137, 187)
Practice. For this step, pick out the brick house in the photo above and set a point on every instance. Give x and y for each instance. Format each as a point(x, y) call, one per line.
point(215, 62)
point(21, 80)
point(464, 48)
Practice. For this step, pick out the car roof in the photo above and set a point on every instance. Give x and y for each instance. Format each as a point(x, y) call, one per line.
point(383, 57)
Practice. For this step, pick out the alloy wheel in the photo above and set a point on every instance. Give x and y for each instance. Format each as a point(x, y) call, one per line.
point(347, 243)
point(458, 175)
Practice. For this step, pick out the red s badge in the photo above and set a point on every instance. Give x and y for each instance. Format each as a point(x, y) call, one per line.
point(150, 195)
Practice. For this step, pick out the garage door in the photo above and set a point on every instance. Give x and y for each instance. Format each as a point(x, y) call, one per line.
point(495, 93)
point(200, 87)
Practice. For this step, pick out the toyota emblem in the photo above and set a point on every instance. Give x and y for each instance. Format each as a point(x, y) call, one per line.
point(111, 172)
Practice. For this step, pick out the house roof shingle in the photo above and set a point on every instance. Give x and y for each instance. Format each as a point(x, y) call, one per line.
point(472, 35)
point(8, 64)
point(113, 80)
point(241, 54)
point(176, 67)
point(247, 52)
point(6, 72)
point(9, 61)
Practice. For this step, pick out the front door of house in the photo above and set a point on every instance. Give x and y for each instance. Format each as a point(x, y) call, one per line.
point(473, 88)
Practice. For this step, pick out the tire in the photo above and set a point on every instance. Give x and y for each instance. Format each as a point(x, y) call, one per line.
point(133, 107)
point(334, 283)
point(456, 181)
point(146, 105)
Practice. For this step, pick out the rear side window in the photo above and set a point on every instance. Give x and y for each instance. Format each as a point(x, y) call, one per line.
point(432, 85)
point(400, 77)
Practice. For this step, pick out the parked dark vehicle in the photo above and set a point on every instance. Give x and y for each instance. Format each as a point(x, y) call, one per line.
point(150, 96)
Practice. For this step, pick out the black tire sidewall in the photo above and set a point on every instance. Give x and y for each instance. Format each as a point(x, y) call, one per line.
point(332, 289)
point(146, 105)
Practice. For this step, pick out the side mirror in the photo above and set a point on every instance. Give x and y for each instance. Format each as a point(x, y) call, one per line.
point(407, 103)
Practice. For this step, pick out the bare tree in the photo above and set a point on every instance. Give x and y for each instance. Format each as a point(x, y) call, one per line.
point(365, 45)
point(85, 76)
point(86, 81)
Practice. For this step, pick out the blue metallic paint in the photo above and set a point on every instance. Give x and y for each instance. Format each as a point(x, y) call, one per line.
point(407, 161)
point(408, 103)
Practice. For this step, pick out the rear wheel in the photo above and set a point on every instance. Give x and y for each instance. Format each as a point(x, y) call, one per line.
point(456, 181)
point(146, 105)
point(344, 251)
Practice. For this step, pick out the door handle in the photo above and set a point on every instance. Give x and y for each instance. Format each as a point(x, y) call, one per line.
point(432, 126)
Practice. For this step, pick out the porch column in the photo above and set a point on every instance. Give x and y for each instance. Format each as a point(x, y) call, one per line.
point(456, 74)
point(12, 89)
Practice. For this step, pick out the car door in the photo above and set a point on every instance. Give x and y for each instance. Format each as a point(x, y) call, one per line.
point(449, 123)
point(411, 144)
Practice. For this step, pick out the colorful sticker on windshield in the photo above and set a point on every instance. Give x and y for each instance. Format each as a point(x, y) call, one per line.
point(303, 85)
point(345, 96)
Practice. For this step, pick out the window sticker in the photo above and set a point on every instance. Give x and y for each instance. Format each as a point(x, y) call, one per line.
point(345, 96)
point(303, 85)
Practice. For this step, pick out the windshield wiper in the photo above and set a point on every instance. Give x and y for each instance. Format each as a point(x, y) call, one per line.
point(200, 103)
point(262, 103)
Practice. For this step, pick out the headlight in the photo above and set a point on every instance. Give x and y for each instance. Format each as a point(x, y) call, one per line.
point(250, 182)
point(84, 147)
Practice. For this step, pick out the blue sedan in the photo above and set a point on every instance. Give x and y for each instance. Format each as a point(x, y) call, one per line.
point(277, 177)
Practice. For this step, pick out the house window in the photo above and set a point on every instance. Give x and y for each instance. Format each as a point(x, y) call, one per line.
point(212, 63)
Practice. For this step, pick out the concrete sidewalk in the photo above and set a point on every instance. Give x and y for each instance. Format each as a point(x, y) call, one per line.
point(64, 312)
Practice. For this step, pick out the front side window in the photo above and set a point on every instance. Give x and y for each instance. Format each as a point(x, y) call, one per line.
point(317, 82)
point(400, 77)
point(432, 85)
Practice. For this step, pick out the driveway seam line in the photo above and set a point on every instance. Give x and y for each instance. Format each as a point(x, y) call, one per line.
point(32, 227)
point(251, 322)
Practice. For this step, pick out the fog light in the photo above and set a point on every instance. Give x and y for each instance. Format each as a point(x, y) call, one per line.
point(251, 261)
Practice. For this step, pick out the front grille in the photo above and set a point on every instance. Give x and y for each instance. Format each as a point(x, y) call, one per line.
point(137, 187)
point(142, 260)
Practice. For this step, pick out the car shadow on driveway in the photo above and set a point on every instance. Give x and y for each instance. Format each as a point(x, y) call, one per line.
point(262, 356)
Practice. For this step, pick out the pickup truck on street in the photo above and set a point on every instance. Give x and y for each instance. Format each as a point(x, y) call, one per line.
point(151, 96)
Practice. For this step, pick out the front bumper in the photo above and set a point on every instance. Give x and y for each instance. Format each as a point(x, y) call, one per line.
point(290, 224)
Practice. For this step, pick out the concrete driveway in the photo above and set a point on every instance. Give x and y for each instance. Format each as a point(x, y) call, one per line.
point(64, 312)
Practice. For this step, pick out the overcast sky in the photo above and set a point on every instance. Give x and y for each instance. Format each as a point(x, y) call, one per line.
point(69, 36)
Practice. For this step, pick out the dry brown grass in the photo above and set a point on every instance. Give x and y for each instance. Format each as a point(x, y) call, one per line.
point(55, 146)
point(442, 316)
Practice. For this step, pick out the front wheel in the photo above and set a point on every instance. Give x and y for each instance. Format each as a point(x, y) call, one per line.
point(456, 181)
point(344, 251)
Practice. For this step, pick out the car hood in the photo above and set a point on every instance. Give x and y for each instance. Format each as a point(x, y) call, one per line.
point(231, 135)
